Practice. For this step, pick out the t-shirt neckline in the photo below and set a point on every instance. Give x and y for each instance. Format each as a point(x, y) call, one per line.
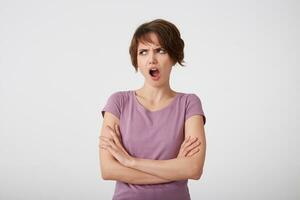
point(155, 111)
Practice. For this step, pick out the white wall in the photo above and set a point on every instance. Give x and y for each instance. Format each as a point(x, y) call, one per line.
point(60, 60)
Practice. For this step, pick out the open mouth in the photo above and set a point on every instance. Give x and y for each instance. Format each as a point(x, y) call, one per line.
point(154, 72)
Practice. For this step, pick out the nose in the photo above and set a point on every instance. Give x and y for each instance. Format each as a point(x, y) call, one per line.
point(152, 58)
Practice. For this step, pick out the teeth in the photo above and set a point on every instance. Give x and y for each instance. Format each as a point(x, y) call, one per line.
point(152, 70)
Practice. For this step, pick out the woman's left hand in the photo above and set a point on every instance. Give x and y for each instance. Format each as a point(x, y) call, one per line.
point(114, 146)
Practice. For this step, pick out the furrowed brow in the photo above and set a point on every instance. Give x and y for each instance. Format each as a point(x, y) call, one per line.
point(148, 49)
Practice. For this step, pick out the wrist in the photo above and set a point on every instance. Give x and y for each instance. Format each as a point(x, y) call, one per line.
point(131, 162)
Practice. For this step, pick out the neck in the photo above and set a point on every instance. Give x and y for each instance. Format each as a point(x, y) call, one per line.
point(155, 94)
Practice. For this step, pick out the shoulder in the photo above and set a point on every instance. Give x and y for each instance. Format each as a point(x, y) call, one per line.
point(116, 102)
point(118, 93)
point(119, 96)
point(190, 97)
point(192, 105)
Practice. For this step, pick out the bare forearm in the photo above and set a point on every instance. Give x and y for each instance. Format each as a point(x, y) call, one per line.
point(180, 168)
point(173, 169)
point(121, 173)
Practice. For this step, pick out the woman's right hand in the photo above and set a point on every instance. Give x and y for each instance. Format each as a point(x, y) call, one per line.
point(189, 147)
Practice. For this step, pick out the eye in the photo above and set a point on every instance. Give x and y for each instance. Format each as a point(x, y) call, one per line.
point(142, 52)
point(162, 51)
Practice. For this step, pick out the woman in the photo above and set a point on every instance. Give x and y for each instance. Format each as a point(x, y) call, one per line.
point(152, 139)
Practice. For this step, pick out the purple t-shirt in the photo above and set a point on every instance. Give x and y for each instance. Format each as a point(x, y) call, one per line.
point(153, 135)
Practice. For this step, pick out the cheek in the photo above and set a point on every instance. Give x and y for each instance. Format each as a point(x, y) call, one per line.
point(141, 66)
point(167, 71)
point(170, 61)
point(141, 62)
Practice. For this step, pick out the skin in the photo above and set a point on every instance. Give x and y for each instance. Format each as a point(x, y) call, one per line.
point(155, 95)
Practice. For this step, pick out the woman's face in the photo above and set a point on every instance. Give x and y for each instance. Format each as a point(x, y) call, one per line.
point(153, 56)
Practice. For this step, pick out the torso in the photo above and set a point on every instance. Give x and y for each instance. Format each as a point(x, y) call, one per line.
point(153, 131)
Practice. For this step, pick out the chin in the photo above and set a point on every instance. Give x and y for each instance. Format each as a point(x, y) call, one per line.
point(157, 83)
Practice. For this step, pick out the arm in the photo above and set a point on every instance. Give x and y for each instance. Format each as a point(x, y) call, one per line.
point(178, 168)
point(121, 173)
point(111, 169)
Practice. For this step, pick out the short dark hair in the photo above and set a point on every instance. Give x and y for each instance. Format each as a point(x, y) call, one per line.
point(168, 36)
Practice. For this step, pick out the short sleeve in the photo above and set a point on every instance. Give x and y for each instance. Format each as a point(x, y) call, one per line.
point(113, 105)
point(194, 107)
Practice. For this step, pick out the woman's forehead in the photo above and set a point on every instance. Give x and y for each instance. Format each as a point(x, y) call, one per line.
point(149, 39)
point(142, 45)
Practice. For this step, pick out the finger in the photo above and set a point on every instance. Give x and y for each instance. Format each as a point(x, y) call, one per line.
point(105, 139)
point(102, 146)
point(185, 141)
point(110, 130)
point(119, 138)
point(105, 136)
point(107, 128)
point(108, 148)
point(117, 130)
point(115, 138)
point(191, 141)
point(183, 145)
point(109, 141)
point(114, 152)
point(191, 147)
point(192, 152)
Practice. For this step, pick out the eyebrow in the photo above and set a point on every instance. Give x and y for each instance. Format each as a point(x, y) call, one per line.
point(148, 49)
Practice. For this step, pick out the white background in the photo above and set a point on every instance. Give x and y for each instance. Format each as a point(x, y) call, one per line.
point(60, 60)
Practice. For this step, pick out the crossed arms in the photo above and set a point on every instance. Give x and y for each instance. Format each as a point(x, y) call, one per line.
point(117, 164)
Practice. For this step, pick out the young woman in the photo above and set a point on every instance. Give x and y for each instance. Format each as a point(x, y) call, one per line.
point(152, 139)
